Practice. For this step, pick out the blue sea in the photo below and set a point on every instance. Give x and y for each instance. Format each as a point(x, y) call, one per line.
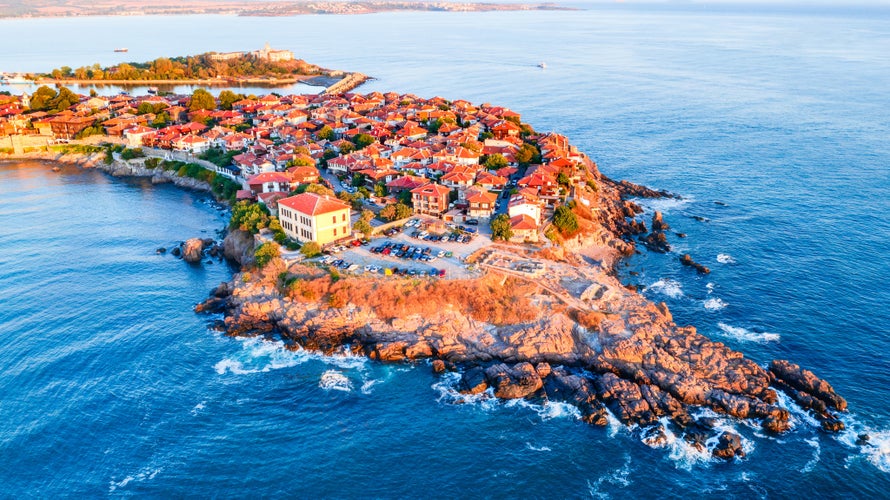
point(771, 124)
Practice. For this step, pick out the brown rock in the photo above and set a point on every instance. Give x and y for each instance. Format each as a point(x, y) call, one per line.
point(191, 250)
point(729, 445)
point(473, 381)
point(511, 383)
point(438, 366)
point(805, 380)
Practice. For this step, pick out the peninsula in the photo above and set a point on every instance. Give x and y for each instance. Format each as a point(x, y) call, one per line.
point(68, 8)
point(405, 228)
point(265, 67)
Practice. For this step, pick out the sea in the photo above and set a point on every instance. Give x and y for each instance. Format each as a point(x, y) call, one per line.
point(770, 124)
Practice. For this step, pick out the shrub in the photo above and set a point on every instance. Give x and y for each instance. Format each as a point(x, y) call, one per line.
point(500, 228)
point(310, 249)
point(265, 253)
point(565, 220)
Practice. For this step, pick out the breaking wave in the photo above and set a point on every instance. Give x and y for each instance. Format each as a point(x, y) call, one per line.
point(817, 454)
point(144, 475)
point(715, 304)
point(619, 477)
point(725, 258)
point(259, 355)
point(746, 335)
point(671, 288)
point(537, 448)
point(448, 393)
point(333, 380)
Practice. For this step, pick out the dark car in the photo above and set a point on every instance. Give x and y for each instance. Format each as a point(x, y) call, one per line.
point(473, 222)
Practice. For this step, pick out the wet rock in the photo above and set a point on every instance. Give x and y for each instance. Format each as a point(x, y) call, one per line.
point(579, 391)
point(862, 439)
point(729, 445)
point(700, 218)
point(655, 437)
point(543, 370)
point(438, 366)
point(635, 190)
point(213, 305)
point(658, 223)
point(804, 380)
point(656, 241)
point(776, 424)
point(680, 235)
point(832, 424)
point(514, 382)
point(191, 250)
point(176, 252)
point(473, 381)
point(686, 260)
point(636, 227)
point(697, 440)
point(720, 203)
point(161, 251)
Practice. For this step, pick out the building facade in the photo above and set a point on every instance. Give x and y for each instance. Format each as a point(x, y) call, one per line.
point(313, 217)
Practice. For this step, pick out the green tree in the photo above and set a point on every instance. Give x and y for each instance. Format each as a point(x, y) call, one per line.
point(380, 190)
point(367, 215)
point(201, 99)
point(500, 228)
point(42, 98)
point(227, 98)
point(326, 133)
point(310, 249)
point(363, 227)
point(388, 212)
point(358, 180)
point(318, 189)
point(64, 100)
point(562, 179)
point(565, 220)
point(495, 162)
point(528, 154)
point(403, 211)
point(266, 252)
point(362, 141)
point(249, 217)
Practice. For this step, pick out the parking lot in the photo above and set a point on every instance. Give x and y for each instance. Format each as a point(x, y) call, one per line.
point(402, 253)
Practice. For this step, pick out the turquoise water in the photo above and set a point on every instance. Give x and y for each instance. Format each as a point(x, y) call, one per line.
point(109, 384)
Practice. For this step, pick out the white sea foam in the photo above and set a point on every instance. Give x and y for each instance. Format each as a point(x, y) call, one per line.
point(725, 258)
point(260, 355)
point(198, 407)
point(368, 385)
point(547, 411)
point(876, 450)
point(668, 287)
point(619, 477)
point(797, 415)
point(715, 304)
point(665, 205)
point(144, 475)
point(448, 389)
point(537, 448)
point(746, 335)
point(817, 453)
point(333, 380)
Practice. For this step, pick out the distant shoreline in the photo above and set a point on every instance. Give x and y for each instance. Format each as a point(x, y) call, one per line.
point(121, 8)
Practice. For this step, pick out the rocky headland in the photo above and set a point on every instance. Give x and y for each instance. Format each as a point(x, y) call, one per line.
point(574, 334)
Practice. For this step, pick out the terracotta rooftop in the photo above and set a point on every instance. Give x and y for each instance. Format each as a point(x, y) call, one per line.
point(313, 204)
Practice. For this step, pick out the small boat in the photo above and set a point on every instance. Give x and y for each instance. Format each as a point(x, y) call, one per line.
point(121, 49)
point(542, 65)
point(152, 90)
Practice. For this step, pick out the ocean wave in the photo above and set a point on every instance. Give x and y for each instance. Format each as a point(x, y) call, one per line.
point(664, 205)
point(876, 450)
point(715, 304)
point(333, 380)
point(447, 388)
point(725, 258)
point(259, 355)
point(619, 477)
point(817, 454)
point(746, 335)
point(536, 448)
point(145, 475)
point(797, 415)
point(198, 407)
point(669, 287)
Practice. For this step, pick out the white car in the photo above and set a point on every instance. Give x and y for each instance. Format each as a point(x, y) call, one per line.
point(441, 253)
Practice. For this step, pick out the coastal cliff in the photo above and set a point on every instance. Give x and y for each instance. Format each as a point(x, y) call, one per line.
point(575, 334)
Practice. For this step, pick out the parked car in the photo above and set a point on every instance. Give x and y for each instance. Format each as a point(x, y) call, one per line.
point(473, 222)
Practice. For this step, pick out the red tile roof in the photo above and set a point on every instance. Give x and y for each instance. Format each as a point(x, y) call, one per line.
point(313, 204)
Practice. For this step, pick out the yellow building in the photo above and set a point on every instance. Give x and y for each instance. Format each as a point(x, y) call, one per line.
point(312, 217)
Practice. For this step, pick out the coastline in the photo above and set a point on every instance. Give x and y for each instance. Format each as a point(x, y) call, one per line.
point(586, 339)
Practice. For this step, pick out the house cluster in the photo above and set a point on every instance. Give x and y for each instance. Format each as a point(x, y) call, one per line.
point(430, 148)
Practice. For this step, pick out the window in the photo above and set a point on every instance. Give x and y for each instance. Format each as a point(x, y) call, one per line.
point(334, 219)
point(335, 231)
point(343, 218)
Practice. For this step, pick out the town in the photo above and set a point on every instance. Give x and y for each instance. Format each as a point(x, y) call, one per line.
point(337, 169)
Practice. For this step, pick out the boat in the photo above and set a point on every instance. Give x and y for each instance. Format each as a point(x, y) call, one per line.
point(542, 65)
point(122, 49)
point(152, 90)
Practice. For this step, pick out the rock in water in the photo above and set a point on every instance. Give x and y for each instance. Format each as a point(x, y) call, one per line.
point(658, 223)
point(686, 260)
point(729, 445)
point(191, 250)
point(806, 381)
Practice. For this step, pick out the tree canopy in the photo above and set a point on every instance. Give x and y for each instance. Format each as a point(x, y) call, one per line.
point(565, 220)
point(500, 228)
point(495, 161)
point(201, 99)
point(249, 217)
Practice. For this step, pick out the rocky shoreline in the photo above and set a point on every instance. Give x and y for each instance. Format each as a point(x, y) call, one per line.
point(577, 336)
